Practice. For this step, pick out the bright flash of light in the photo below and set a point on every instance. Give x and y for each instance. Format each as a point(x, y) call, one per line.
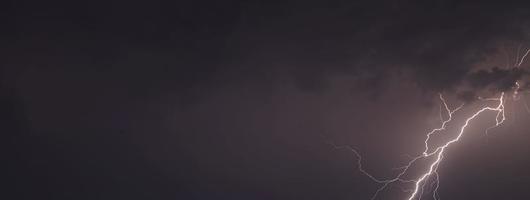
point(440, 150)
point(436, 153)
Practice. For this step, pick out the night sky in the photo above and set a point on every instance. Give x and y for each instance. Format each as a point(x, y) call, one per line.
point(240, 100)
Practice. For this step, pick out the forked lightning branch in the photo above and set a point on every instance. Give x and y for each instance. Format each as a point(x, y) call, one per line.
point(428, 180)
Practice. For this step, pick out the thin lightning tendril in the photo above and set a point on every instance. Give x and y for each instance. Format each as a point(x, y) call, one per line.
point(522, 58)
point(444, 123)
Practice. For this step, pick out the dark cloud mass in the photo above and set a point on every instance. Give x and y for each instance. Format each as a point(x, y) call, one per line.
point(310, 41)
point(236, 99)
point(496, 78)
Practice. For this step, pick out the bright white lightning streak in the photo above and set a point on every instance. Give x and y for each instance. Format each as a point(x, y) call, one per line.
point(499, 119)
point(438, 153)
point(434, 165)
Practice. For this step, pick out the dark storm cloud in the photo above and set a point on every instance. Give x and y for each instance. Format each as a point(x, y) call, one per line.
point(492, 80)
point(438, 43)
point(211, 44)
point(496, 78)
point(91, 106)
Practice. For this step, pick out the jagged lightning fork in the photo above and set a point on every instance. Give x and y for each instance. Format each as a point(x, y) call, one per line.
point(444, 122)
point(438, 153)
point(431, 174)
point(434, 165)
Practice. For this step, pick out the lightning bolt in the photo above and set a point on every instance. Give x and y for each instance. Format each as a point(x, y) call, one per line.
point(439, 152)
point(436, 153)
